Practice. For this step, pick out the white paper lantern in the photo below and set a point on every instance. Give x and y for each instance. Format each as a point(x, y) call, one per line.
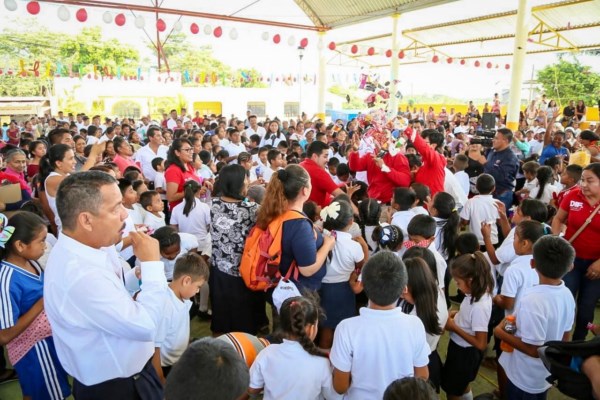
point(63, 13)
point(233, 34)
point(265, 36)
point(291, 40)
point(107, 17)
point(177, 26)
point(140, 22)
point(11, 5)
point(207, 30)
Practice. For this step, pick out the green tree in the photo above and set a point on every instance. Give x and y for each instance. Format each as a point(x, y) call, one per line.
point(569, 80)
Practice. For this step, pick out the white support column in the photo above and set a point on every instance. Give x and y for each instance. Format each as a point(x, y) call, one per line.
point(322, 77)
point(518, 63)
point(393, 106)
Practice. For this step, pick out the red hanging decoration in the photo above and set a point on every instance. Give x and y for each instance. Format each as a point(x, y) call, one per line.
point(81, 15)
point(388, 53)
point(218, 32)
point(371, 51)
point(401, 54)
point(276, 38)
point(489, 65)
point(120, 19)
point(462, 62)
point(477, 63)
point(449, 60)
point(304, 42)
point(331, 46)
point(33, 7)
point(161, 25)
point(354, 49)
point(194, 28)
point(435, 58)
point(507, 66)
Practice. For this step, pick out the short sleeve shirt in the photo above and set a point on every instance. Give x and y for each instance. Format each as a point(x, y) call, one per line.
point(578, 209)
point(174, 174)
point(322, 184)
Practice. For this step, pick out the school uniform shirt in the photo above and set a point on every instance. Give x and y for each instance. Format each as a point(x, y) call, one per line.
point(378, 347)
point(272, 140)
point(196, 223)
point(260, 131)
point(346, 253)
point(135, 215)
point(442, 314)
point(372, 244)
point(173, 334)
point(401, 219)
point(268, 173)
point(145, 155)
point(549, 192)
point(420, 210)
point(154, 221)
point(463, 180)
point(544, 313)
point(160, 183)
point(505, 253)
point(440, 264)
point(235, 149)
point(481, 208)
point(188, 242)
point(287, 371)
point(99, 331)
point(472, 318)
point(517, 278)
point(454, 188)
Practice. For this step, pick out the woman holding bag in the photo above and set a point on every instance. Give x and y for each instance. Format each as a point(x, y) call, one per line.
point(579, 211)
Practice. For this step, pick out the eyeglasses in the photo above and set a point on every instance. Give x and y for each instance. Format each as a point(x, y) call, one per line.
point(189, 150)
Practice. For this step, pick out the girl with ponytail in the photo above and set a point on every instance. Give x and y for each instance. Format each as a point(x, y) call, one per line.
point(193, 216)
point(276, 368)
point(444, 212)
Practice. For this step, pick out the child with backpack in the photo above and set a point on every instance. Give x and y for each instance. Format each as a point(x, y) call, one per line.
point(545, 312)
point(468, 327)
point(30, 349)
point(345, 261)
point(296, 368)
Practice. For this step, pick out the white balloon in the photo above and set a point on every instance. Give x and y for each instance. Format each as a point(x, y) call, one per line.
point(140, 22)
point(233, 34)
point(11, 5)
point(265, 36)
point(177, 26)
point(207, 30)
point(291, 40)
point(107, 17)
point(63, 13)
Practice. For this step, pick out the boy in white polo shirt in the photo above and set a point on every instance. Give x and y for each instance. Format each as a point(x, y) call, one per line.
point(363, 365)
point(545, 312)
point(482, 209)
point(173, 333)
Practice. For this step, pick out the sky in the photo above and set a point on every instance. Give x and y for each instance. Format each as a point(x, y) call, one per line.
point(249, 50)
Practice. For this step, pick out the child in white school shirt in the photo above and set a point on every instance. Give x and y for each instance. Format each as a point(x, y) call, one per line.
point(154, 206)
point(482, 209)
point(545, 312)
point(403, 202)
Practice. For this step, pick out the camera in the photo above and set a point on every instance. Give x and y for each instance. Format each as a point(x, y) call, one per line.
point(484, 138)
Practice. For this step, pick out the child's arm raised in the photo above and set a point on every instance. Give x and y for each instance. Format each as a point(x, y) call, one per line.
point(486, 232)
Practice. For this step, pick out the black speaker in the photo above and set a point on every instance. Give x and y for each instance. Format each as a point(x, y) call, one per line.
point(488, 121)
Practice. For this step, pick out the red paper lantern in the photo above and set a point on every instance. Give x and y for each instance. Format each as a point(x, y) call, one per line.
point(194, 28)
point(401, 54)
point(371, 51)
point(172, 79)
point(9, 72)
point(354, 49)
point(435, 59)
point(161, 25)
point(218, 31)
point(331, 46)
point(33, 7)
point(1, 72)
point(159, 79)
point(388, 53)
point(449, 60)
point(81, 15)
point(89, 76)
point(507, 66)
point(489, 65)
point(477, 63)
point(304, 42)
point(276, 38)
point(120, 19)
point(462, 62)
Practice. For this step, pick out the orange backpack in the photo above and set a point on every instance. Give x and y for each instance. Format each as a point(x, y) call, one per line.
point(259, 267)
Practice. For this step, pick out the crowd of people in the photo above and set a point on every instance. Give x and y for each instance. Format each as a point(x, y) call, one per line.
point(124, 230)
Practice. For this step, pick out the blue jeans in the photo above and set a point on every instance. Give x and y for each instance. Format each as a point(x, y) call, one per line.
point(589, 293)
point(506, 198)
point(514, 393)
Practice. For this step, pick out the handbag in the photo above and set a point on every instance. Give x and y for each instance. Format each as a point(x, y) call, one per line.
point(585, 224)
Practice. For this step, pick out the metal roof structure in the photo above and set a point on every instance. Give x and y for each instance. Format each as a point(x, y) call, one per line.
point(563, 26)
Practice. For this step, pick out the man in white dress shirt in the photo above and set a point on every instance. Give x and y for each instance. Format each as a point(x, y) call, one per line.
point(155, 148)
point(254, 128)
point(103, 338)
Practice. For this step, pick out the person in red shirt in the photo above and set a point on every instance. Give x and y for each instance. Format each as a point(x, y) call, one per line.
point(179, 170)
point(383, 173)
point(429, 144)
point(323, 186)
point(198, 120)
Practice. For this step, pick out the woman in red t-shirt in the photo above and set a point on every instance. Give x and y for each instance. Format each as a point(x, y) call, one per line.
point(584, 279)
point(179, 170)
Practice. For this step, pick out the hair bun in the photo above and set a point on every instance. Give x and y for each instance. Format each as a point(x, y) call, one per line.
point(282, 175)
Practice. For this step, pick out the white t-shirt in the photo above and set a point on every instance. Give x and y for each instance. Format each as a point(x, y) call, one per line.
point(154, 222)
point(401, 219)
point(136, 215)
point(472, 318)
point(442, 314)
point(161, 182)
point(188, 242)
point(267, 173)
point(91, 140)
point(481, 208)
point(260, 131)
point(234, 150)
point(463, 180)
point(377, 347)
point(544, 313)
point(549, 190)
point(287, 371)
point(346, 253)
point(506, 252)
point(518, 277)
point(197, 223)
point(454, 188)
point(173, 333)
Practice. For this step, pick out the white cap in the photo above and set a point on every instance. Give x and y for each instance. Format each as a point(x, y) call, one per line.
point(284, 291)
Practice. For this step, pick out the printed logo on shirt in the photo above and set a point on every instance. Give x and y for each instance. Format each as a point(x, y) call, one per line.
point(576, 205)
